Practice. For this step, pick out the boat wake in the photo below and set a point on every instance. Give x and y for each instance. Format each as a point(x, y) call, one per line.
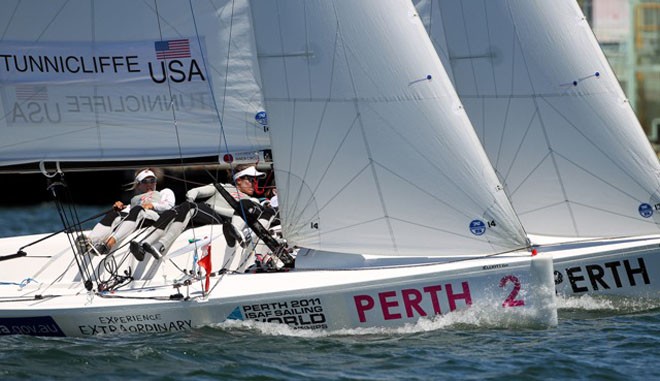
point(474, 318)
point(598, 306)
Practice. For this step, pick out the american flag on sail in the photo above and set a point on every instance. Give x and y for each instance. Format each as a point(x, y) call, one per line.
point(31, 93)
point(172, 49)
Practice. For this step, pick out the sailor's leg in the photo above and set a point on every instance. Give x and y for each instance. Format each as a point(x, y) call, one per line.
point(126, 227)
point(154, 232)
point(103, 229)
point(99, 234)
point(159, 246)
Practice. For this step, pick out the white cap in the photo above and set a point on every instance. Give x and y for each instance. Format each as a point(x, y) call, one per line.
point(249, 171)
point(143, 175)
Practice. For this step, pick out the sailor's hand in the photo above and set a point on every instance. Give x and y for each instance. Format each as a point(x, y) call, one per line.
point(118, 206)
point(148, 206)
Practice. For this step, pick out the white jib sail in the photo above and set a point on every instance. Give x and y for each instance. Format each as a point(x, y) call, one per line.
point(550, 114)
point(127, 81)
point(373, 151)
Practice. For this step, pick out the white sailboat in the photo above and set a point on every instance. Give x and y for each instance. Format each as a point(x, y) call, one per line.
point(357, 94)
point(559, 131)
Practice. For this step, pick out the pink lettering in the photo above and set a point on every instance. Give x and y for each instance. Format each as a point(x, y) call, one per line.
point(363, 303)
point(385, 305)
point(433, 292)
point(411, 300)
point(451, 297)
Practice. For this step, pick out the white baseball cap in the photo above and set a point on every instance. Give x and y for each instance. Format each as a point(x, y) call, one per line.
point(143, 175)
point(249, 171)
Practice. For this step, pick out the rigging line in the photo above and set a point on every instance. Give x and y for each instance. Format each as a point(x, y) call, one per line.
point(490, 43)
point(97, 120)
point(529, 174)
point(403, 139)
point(465, 236)
point(278, 18)
point(307, 49)
point(443, 25)
point(428, 193)
point(322, 117)
point(553, 157)
point(367, 222)
point(544, 130)
point(503, 132)
point(469, 48)
point(311, 200)
point(609, 211)
point(514, 159)
point(11, 18)
point(341, 190)
point(346, 49)
point(543, 207)
point(65, 218)
point(169, 86)
point(309, 160)
point(288, 170)
point(593, 144)
point(219, 114)
point(215, 104)
point(41, 34)
point(48, 137)
point(612, 186)
point(509, 99)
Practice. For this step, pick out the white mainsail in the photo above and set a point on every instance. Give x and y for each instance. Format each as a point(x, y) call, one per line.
point(101, 81)
point(373, 151)
point(550, 114)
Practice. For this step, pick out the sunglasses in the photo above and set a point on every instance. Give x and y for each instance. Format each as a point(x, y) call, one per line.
point(150, 180)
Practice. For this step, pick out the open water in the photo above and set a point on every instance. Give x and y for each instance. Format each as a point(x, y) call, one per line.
point(596, 339)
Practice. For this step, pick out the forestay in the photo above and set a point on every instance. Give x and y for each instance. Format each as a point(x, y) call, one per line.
point(90, 81)
point(373, 151)
point(550, 114)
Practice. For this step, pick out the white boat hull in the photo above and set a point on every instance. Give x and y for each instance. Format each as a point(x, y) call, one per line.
point(513, 290)
point(627, 267)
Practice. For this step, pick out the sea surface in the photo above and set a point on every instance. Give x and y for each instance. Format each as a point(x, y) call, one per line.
point(597, 339)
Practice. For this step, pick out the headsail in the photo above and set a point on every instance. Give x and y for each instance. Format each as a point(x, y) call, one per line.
point(373, 151)
point(100, 81)
point(550, 114)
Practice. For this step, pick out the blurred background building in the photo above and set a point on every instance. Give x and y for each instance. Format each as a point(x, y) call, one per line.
point(629, 34)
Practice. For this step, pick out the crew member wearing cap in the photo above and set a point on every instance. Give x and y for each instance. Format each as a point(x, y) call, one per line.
point(144, 209)
point(213, 209)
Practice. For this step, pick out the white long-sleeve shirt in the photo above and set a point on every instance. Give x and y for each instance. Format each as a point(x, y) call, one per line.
point(162, 200)
point(215, 200)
